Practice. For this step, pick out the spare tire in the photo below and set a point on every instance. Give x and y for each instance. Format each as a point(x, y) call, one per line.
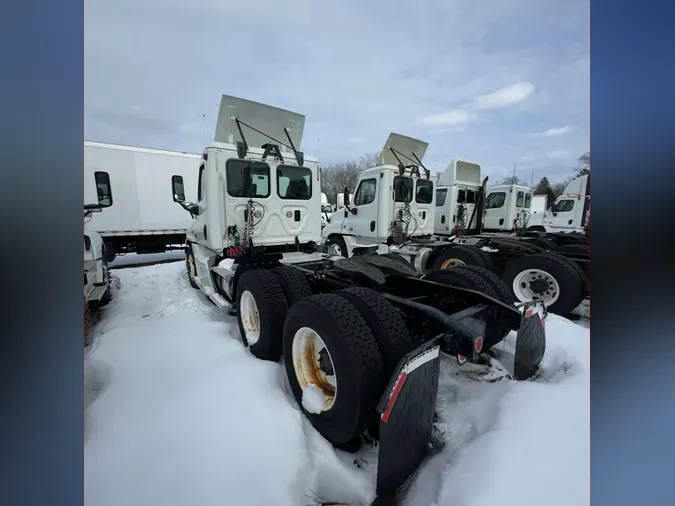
point(333, 365)
point(547, 277)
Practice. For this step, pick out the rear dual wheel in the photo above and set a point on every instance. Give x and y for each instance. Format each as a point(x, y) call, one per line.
point(461, 255)
point(483, 280)
point(549, 277)
point(339, 349)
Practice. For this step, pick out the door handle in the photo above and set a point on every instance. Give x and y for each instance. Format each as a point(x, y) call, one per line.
point(569, 222)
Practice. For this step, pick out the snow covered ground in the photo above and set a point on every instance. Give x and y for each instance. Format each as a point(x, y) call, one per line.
point(179, 414)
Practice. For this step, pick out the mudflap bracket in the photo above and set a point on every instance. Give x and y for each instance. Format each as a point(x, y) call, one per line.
point(406, 417)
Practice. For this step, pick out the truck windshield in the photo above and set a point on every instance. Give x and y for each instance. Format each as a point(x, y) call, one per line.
point(245, 177)
point(403, 187)
point(424, 192)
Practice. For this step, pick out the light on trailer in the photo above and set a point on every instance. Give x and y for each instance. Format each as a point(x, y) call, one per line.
point(478, 344)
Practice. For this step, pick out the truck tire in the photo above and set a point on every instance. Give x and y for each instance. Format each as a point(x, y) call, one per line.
point(293, 283)
point(545, 276)
point(575, 249)
point(107, 279)
point(261, 309)
point(191, 268)
point(455, 256)
point(546, 244)
point(386, 322)
point(497, 283)
point(464, 278)
point(580, 271)
point(398, 257)
point(337, 246)
point(347, 406)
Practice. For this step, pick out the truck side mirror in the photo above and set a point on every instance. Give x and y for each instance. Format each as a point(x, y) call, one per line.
point(178, 189)
point(103, 191)
point(346, 197)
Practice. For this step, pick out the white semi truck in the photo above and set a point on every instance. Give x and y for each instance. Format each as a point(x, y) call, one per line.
point(360, 338)
point(141, 217)
point(390, 215)
point(97, 290)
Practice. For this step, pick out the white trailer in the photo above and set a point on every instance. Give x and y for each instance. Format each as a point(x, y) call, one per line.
point(141, 217)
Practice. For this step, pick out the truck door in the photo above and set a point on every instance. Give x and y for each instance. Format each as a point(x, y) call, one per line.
point(442, 220)
point(198, 229)
point(424, 200)
point(494, 210)
point(562, 215)
point(365, 202)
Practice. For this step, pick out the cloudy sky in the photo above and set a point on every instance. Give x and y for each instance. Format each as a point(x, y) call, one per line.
point(501, 82)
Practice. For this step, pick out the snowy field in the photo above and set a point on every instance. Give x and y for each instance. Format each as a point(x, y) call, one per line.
point(179, 414)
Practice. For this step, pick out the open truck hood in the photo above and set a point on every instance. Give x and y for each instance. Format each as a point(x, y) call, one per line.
point(264, 118)
point(406, 146)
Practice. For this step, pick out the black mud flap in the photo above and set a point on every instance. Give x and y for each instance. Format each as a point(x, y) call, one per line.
point(531, 343)
point(406, 416)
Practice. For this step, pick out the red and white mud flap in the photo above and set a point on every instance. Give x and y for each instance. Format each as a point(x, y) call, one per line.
point(406, 418)
point(531, 343)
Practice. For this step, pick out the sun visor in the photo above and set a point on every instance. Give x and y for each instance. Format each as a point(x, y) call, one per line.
point(267, 119)
point(404, 147)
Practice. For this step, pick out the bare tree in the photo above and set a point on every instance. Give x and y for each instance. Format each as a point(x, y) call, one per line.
point(512, 180)
point(559, 188)
point(584, 164)
point(336, 177)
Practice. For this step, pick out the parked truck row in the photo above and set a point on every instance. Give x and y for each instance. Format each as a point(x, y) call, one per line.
point(399, 208)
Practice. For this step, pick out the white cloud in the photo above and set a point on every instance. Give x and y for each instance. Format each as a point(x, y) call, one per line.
point(352, 87)
point(555, 132)
point(510, 95)
point(560, 154)
point(452, 118)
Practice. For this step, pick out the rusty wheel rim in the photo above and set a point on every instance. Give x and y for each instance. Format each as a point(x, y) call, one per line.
point(314, 366)
point(452, 262)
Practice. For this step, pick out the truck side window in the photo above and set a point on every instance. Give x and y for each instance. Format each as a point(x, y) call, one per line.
point(441, 196)
point(294, 183)
point(564, 206)
point(470, 197)
point(200, 184)
point(461, 196)
point(528, 200)
point(103, 189)
point(495, 200)
point(365, 193)
point(246, 177)
point(520, 196)
point(425, 191)
point(402, 189)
